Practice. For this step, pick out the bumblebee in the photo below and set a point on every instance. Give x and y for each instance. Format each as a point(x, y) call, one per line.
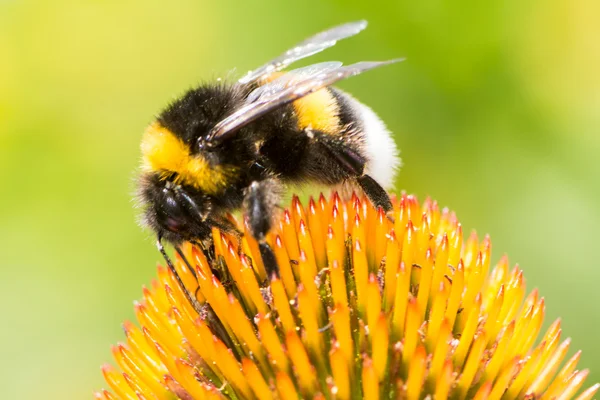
point(223, 146)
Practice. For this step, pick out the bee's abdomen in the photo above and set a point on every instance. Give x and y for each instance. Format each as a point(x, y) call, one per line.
point(376, 143)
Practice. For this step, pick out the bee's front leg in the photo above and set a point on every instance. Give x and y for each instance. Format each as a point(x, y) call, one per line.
point(260, 203)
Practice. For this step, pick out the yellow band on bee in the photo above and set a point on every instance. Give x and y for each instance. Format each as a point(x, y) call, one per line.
point(318, 111)
point(166, 154)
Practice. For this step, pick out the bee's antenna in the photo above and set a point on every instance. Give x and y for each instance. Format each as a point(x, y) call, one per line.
point(194, 302)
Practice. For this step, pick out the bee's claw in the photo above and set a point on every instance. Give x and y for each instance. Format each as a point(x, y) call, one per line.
point(390, 216)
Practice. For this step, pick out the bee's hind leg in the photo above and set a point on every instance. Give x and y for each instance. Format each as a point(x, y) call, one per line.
point(354, 164)
point(376, 194)
point(260, 203)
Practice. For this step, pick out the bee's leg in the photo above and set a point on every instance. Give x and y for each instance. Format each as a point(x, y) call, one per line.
point(260, 203)
point(192, 300)
point(268, 257)
point(226, 226)
point(354, 164)
point(376, 194)
point(206, 247)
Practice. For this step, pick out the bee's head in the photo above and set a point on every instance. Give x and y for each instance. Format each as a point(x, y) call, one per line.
point(173, 211)
point(181, 178)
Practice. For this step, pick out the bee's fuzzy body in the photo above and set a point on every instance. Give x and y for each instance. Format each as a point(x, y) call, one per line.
point(225, 146)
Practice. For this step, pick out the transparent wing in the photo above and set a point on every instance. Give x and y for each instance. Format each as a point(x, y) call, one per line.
point(290, 78)
point(310, 46)
point(277, 94)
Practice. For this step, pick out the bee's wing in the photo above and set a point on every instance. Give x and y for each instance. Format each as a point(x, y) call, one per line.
point(285, 90)
point(291, 78)
point(310, 46)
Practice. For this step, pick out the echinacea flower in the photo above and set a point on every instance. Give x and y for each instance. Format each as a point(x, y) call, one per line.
point(362, 308)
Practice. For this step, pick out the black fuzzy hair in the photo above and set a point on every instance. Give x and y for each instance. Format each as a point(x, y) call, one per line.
point(198, 110)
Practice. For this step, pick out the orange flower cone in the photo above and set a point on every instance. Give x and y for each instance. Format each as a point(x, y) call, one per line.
point(363, 309)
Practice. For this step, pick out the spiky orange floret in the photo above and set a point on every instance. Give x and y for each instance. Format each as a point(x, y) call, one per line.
point(363, 308)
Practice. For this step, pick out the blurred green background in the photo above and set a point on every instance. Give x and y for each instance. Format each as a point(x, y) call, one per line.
point(496, 110)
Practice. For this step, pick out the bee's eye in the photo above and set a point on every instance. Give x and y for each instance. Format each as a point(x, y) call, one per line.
point(171, 213)
point(173, 224)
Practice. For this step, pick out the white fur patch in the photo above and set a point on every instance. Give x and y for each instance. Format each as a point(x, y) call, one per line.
point(380, 148)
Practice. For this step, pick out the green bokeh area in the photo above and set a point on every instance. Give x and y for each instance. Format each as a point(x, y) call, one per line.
point(496, 110)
